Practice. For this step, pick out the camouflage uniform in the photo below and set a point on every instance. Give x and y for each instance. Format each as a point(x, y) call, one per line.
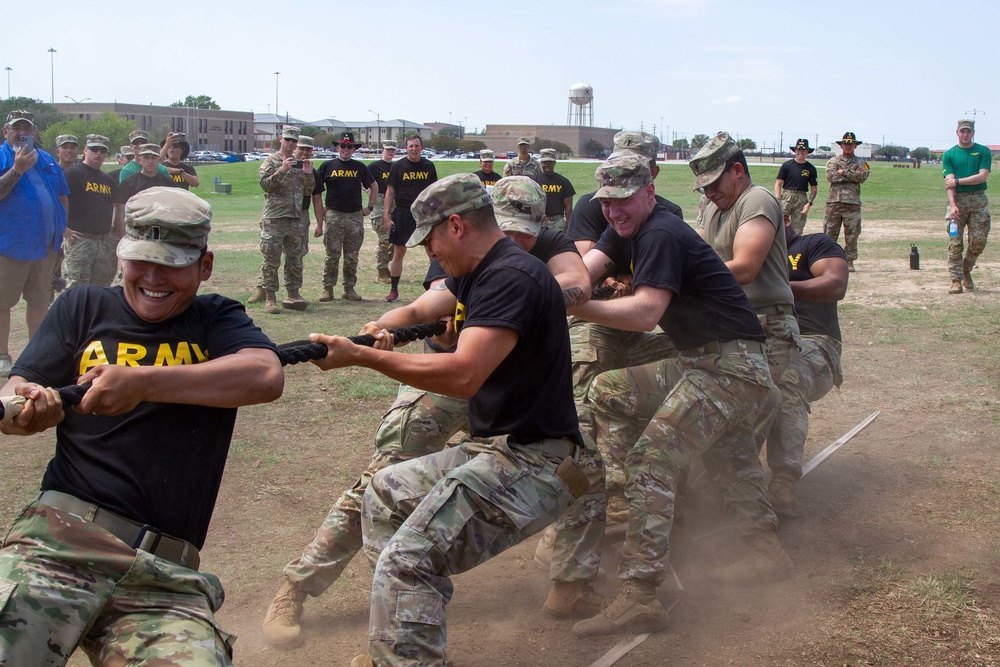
point(47, 610)
point(557, 222)
point(468, 503)
point(383, 255)
point(809, 378)
point(974, 213)
point(843, 204)
point(792, 202)
point(515, 167)
point(656, 418)
point(90, 260)
point(280, 224)
point(342, 233)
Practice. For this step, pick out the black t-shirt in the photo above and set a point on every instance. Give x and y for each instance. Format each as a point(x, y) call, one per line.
point(490, 178)
point(587, 222)
point(797, 176)
point(552, 242)
point(116, 174)
point(138, 182)
point(814, 317)
point(530, 394)
point(708, 304)
point(91, 199)
point(343, 182)
point(160, 464)
point(307, 195)
point(556, 187)
point(178, 179)
point(409, 179)
point(379, 169)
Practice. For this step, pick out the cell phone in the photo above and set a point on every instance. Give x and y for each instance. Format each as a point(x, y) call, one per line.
point(298, 164)
point(28, 143)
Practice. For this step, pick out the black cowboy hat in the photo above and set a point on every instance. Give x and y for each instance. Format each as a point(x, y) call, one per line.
point(849, 138)
point(347, 139)
point(802, 143)
point(184, 146)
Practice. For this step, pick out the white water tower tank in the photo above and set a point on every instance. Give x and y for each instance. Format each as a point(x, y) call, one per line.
point(580, 109)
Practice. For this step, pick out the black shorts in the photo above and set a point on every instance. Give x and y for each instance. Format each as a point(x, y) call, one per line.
point(403, 225)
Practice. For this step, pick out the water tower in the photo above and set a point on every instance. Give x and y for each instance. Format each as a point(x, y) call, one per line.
point(580, 110)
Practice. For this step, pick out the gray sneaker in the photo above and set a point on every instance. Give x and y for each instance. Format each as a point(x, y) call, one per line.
point(5, 365)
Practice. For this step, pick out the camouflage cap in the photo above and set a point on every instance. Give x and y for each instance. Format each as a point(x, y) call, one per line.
point(97, 140)
point(135, 135)
point(622, 175)
point(148, 149)
point(306, 141)
point(849, 138)
point(166, 226)
point(126, 151)
point(452, 195)
point(547, 155)
point(486, 155)
point(635, 141)
point(66, 139)
point(389, 145)
point(523, 141)
point(20, 116)
point(709, 163)
point(519, 204)
point(289, 132)
point(967, 124)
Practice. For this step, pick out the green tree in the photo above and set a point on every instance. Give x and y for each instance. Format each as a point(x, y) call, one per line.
point(443, 142)
point(560, 147)
point(699, 140)
point(196, 102)
point(471, 145)
point(45, 114)
point(747, 145)
point(825, 148)
point(594, 148)
point(681, 144)
point(108, 124)
point(920, 154)
point(891, 152)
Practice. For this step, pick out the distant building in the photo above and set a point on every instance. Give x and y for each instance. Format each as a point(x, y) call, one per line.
point(503, 138)
point(370, 133)
point(206, 129)
point(267, 127)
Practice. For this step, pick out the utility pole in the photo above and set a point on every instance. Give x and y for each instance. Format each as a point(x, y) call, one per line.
point(52, 67)
point(8, 80)
point(276, 74)
point(973, 112)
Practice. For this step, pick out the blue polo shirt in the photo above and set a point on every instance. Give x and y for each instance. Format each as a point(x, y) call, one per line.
point(32, 219)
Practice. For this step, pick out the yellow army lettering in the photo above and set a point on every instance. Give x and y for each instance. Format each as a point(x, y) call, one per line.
point(416, 175)
point(99, 188)
point(344, 173)
point(131, 354)
point(459, 315)
point(794, 261)
point(177, 178)
point(552, 188)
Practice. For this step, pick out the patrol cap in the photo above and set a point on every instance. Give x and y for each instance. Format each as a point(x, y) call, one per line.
point(166, 226)
point(97, 140)
point(389, 145)
point(486, 155)
point(66, 139)
point(452, 195)
point(519, 204)
point(966, 123)
point(126, 151)
point(849, 138)
point(136, 135)
point(306, 141)
point(523, 141)
point(635, 141)
point(19, 115)
point(547, 155)
point(148, 149)
point(802, 143)
point(622, 175)
point(709, 163)
point(289, 132)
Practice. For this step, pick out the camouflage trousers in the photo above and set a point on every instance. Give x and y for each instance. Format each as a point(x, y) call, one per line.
point(280, 235)
point(783, 348)
point(342, 233)
point(848, 215)
point(89, 261)
point(808, 379)
point(792, 202)
point(383, 254)
point(556, 222)
point(974, 216)
point(418, 423)
point(656, 418)
point(66, 582)
point(305, 224)
point(442, 514)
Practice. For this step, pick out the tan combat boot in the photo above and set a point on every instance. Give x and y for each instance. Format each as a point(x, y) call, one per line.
point(850, 266)
point(572, 599)
point(543, 552)
point(383, 276)
point(956, 287)
point(781, 492)
point(281, 625)
point(764, 561)
point(635, 611)
point(327, 294)
point(617, 511)
point(967, 281)
point(271, 303)
point(351, 295)
point(257, 296)
point(294, 301)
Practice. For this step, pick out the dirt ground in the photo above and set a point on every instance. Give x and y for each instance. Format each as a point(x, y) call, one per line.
point(896, 552)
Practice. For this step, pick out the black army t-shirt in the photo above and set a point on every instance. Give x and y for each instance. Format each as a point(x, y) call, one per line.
point(556, 188)
point(797, 176)
point(588, 222)
point(136, 183)
point(343, 182)
point(178, 178)
point(490, 178)
point(379, 169)
point(814, 317)
point(91, 199)
point(409, 179)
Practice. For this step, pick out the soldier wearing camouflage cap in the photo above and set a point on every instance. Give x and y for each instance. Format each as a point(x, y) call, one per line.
point(513, 363)
point(158, 357)
point(559, 191)
point(94, 223)
point(151, 174)
point(486, 173)
point(522, 164)
point(67, 150)
point(966, 167)
point(646, 415)
point(845, 173)
point(745, 225)
point(136, 139)
point(379, 170)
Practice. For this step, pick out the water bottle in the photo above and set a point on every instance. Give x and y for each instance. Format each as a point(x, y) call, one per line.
point(914, 257)
point(952, 228)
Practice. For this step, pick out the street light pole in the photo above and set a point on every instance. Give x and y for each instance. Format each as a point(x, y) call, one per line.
point(52, 67)
point(276, 92)
point(378, 123)
point(8, 80)
point(76, 101)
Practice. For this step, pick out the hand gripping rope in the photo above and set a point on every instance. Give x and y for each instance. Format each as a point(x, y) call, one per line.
point(289, 353)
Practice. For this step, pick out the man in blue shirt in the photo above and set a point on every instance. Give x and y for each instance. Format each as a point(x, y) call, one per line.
point(33, 202)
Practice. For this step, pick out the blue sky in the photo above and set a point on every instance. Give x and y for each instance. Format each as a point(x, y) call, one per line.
point(767, 70)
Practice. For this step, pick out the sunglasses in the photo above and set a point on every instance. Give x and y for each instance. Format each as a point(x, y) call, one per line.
point(289, 139)
point(97, 149)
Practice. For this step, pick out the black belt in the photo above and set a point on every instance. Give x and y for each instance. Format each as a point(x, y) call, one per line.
point(775, 310)
point(136, 535)
point(561, 448)
point(730, 347)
